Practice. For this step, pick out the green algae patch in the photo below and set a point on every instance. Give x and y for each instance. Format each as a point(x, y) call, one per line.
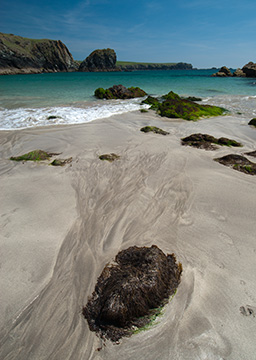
point(153, 129)
point(152, 101)
point(172, 105)
point(35, 155)
point(109, 157)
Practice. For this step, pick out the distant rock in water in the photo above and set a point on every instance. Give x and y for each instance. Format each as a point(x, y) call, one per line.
point(223, 72)
point(250, 69)
point(128, 292)
point(20, 55)
point(119, 92)
point(100, 60)
point(239, 73)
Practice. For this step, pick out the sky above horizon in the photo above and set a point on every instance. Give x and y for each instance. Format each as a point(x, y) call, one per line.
point(209, 33)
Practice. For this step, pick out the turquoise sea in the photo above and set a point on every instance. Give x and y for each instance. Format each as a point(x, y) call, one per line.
point(29, 100)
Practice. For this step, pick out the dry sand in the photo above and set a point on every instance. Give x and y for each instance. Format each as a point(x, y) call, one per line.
point(61, 225)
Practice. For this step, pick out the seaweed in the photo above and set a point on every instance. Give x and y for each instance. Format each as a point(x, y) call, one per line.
point(35, 155)
point(239, 163)
point(208, 142)
point(172, 105)
point(109, 157)
point(153, 129)
point(130, 291)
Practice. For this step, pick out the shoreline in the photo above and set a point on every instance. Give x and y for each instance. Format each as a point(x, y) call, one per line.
point(60, 226)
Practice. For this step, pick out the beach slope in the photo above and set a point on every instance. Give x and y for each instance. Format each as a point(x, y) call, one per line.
point(61, 225)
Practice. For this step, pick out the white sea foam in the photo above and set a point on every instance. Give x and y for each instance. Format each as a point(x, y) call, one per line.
point(236, 104)
point(11, 119)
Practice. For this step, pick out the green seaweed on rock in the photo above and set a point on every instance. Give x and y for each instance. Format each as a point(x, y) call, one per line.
point(153, 129)
point(109, 157)
point(35, 155)
point(172, 105)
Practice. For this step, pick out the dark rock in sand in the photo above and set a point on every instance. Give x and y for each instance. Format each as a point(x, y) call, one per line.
point(99, 60)
point(61, 162)
point(208, 142)
point(128, 291)
point(109, 157)
point(238, 162)
point(153, 129)
point(252, 122)
point(119, 92)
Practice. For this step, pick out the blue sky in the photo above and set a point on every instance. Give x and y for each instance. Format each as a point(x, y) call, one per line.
point(204, 33)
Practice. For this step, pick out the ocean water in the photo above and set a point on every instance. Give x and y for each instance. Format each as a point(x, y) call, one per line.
point(67, 98)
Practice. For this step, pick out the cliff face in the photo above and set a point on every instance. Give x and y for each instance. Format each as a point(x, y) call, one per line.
point(100, 60)
point(20, 55)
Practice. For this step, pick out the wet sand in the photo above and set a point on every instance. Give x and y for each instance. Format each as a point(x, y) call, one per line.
point(61, 225)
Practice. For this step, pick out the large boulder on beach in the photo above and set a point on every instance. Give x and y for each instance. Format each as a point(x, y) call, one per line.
point(119, 92)
point(99, 60)
point(223, 72)
point(128, 291)
point(250, 69)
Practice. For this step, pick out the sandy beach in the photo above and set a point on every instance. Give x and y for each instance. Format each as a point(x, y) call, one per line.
point(61, 225)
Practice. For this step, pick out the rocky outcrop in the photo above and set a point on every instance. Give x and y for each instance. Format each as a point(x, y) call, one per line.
point(223, 72)
point(100, 60)
point(20, 55)
point(173, 106)
point(119, 92)
point(250, 69)
point(129, 291)
point(153, 66)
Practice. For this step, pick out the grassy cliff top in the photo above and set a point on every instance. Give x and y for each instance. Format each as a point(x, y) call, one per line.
point(19, 44)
